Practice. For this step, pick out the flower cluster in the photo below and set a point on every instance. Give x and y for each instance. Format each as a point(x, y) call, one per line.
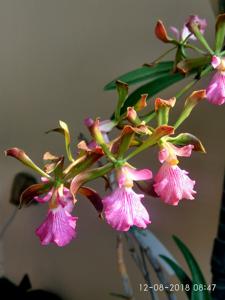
point(101, 156)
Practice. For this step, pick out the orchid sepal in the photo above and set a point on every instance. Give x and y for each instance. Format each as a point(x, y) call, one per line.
point(54, 164)
point(94, 198)
point(34, 190)
point(184, 139)
point(20, 155)
point(89, 175)
point(142, 103)
point(125, 141)
point(64, 130)
point(132, 116)
point(161, 33)
point(122, 90)
point(162, 108)
point(190, 103)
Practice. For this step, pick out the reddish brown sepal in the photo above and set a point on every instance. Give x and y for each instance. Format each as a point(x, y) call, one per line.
point(164, 103)
point(34, 190)
point(161, 33)
point(94, 198)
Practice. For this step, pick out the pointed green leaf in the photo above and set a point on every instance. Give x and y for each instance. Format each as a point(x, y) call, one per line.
point(152, 88)
point(220, 32)
point(143, 73)
point(197, 276)
point(181, 275)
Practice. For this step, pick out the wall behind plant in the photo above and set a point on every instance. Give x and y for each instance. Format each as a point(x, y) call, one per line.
point(55, 57)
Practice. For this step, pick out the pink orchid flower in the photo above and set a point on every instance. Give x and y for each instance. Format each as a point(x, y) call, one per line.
point(172, 183)
point(59, 226)
point(123, 207)
point(185, 33)
point(215, 91)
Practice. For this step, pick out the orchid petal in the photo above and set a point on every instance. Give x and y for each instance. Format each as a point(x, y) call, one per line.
point(137, 175)
point(183, 151)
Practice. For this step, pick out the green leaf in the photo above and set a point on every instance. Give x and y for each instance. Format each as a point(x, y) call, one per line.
point(141, 74)
point(220, 32)
point(221, 6)
point(182, 276)
point(152, 88)
point(184, 139)
point(197, 276)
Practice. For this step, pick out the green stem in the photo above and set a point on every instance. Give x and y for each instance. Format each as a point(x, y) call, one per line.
point(100, 172)
point(107, 152)
point(186, 88)
point(195, 48)
point(202, 40)
point(182, 118)
point(41, 172)
point(82, 166)
point(163, 55)
point(146, 144)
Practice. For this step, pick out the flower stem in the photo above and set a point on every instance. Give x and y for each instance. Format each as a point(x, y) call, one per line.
point(195, 48)
point(163, 55)
point(202, 40)
point(186, 88)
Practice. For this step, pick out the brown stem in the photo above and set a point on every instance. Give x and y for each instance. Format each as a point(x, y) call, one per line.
point(141, 264)
point(128, 291)
point(153, 261)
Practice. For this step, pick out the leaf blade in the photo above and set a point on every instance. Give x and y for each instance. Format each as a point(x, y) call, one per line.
point(197, 276)
point(141, 74)
point(182, 276)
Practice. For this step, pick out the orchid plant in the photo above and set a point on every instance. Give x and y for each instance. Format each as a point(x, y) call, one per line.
point(63, 179)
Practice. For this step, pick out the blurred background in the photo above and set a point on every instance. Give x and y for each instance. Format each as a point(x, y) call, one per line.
point(55, 58)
